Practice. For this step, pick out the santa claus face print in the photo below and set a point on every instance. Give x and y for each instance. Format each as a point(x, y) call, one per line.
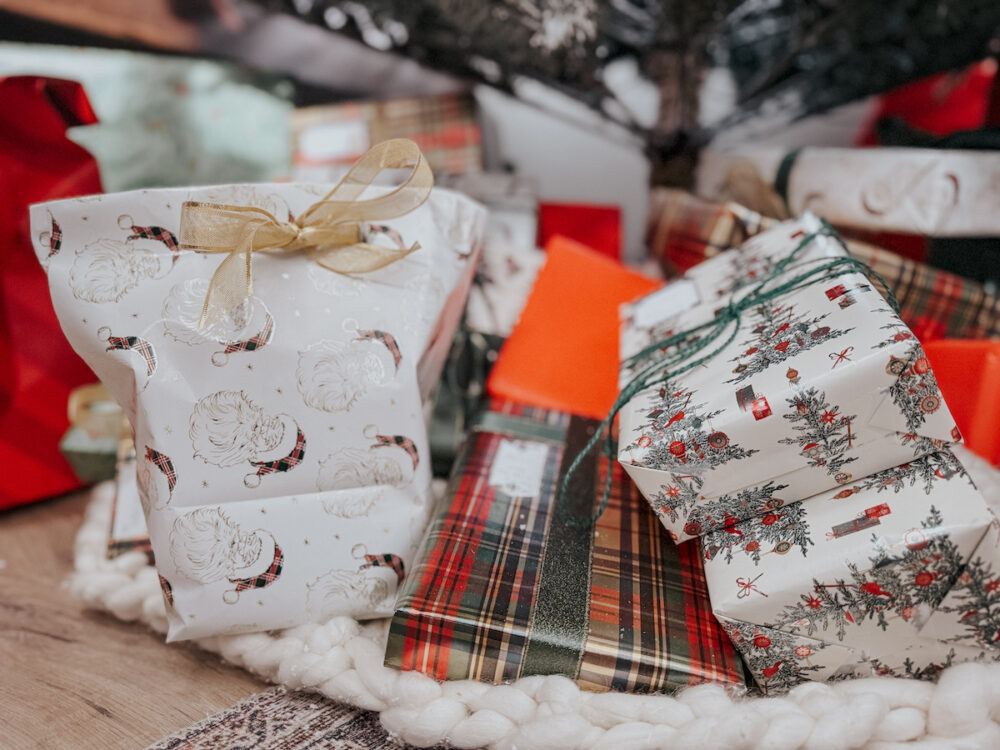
point(227, 429)
point(350, 592)
point(246, 327)
point(333, 375)
point(206, 546)
point(106, 270)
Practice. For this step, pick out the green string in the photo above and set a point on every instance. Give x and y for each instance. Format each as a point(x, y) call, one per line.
point(688, 344)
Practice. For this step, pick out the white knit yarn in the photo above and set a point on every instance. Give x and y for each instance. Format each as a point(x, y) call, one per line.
point(342, 659)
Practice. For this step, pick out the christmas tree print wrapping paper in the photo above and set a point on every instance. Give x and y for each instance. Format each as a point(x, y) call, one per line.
point(878, 578)
point(820, 386)
point(282, 457)
point(504, 586)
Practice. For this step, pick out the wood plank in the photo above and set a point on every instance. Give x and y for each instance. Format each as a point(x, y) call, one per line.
point(73, 678)
point(149, 21)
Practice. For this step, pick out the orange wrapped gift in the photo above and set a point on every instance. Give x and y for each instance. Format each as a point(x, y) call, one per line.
point(563, 353)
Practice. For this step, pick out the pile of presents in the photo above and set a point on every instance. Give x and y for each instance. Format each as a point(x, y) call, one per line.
point(736, 467)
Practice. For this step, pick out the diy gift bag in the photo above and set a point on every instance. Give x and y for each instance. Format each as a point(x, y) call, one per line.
point(282, 455)
point(802, 391)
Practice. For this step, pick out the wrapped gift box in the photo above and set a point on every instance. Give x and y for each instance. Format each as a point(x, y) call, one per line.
point(909, 190)
point(685, 230)
point(561, 354)
point(850, 582)
point(282, 450)
point(816, 388)
point(506, 586)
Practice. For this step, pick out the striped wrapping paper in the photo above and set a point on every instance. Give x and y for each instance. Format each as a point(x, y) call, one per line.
point(686, 230)
point(504, 586)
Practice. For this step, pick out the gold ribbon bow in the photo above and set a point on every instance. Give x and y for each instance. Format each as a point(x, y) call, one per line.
point(329, 230)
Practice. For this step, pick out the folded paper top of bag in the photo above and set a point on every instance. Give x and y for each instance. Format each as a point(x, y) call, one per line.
point(820, 385)
point(289, 428)
point(861, 570)
point(504, 586)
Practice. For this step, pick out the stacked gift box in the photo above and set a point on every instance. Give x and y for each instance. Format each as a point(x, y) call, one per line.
point(814, 431)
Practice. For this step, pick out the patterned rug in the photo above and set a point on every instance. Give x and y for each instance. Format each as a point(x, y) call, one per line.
point(283, 720)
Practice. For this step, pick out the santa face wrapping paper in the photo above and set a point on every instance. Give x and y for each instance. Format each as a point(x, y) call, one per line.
point(816, 388)
point(879, 578)
point(282, 455)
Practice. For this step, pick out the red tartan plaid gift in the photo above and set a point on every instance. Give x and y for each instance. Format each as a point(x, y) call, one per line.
point(505, 586)
point(684, 230)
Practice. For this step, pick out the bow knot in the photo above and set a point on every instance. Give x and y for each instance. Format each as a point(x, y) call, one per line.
point(330, 230)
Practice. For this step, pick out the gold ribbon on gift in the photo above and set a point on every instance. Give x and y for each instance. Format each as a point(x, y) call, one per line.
point(330, 230)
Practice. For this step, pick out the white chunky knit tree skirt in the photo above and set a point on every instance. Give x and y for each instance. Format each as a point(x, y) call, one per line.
point(342, 659)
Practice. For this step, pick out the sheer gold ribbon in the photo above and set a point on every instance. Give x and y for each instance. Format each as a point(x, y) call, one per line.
point(329, 230)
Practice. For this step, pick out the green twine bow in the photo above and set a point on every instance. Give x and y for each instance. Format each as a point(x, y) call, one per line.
point(701, 338)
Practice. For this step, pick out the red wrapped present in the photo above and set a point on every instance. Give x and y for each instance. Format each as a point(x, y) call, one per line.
point(37, 366)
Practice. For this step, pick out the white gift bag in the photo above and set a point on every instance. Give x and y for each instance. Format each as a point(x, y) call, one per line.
point(282, 451)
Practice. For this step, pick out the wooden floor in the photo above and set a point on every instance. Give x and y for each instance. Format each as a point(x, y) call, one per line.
point(76, 679)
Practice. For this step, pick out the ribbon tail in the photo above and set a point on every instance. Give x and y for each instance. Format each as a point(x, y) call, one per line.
point(231, 285)
point(359, 258)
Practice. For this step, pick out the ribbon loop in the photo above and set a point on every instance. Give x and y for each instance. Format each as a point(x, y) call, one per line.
point(329, 230)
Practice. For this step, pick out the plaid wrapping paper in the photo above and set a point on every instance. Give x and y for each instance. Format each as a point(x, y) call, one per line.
point(443, 126)
point(504, 587)
point(686, 230)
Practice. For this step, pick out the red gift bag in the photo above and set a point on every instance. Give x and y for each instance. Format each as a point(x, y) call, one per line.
point(37, 366)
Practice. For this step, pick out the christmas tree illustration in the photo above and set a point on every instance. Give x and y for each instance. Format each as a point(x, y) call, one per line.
point(773, 527)
point(779, 660)
point(676, 436)
point(778, 334)
point(915, 391)
point(910, 669)
point(746, 268)
point(678, 498)
point(978, 593)
point(894, 584)
point(824, 434)
point(895, 329)
point(927, 469)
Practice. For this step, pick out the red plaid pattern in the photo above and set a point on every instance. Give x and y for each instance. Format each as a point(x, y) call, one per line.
point(55, 238)
point(399, 441)
point(135, 344)
point(158, 234)
point(468, 609)
point(253, 343)
point(164, 464)
point(387, 339)
point(386, 561)
point(287, 463)
point(685, 230)
point(269, 576)
point(167, 589)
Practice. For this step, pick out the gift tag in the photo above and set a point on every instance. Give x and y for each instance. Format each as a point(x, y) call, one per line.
point(518, 467)
point(668, 302)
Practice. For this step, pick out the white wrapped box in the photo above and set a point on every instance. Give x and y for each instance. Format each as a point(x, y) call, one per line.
point(818, 387)
point(282, 451)
point(935, 192)
point(857, 582)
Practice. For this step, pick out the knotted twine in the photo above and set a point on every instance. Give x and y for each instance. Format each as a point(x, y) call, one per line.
point(719, 333)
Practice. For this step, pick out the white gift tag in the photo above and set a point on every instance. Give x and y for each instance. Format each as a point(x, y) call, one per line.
point(518, 467)
point(659, 306)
